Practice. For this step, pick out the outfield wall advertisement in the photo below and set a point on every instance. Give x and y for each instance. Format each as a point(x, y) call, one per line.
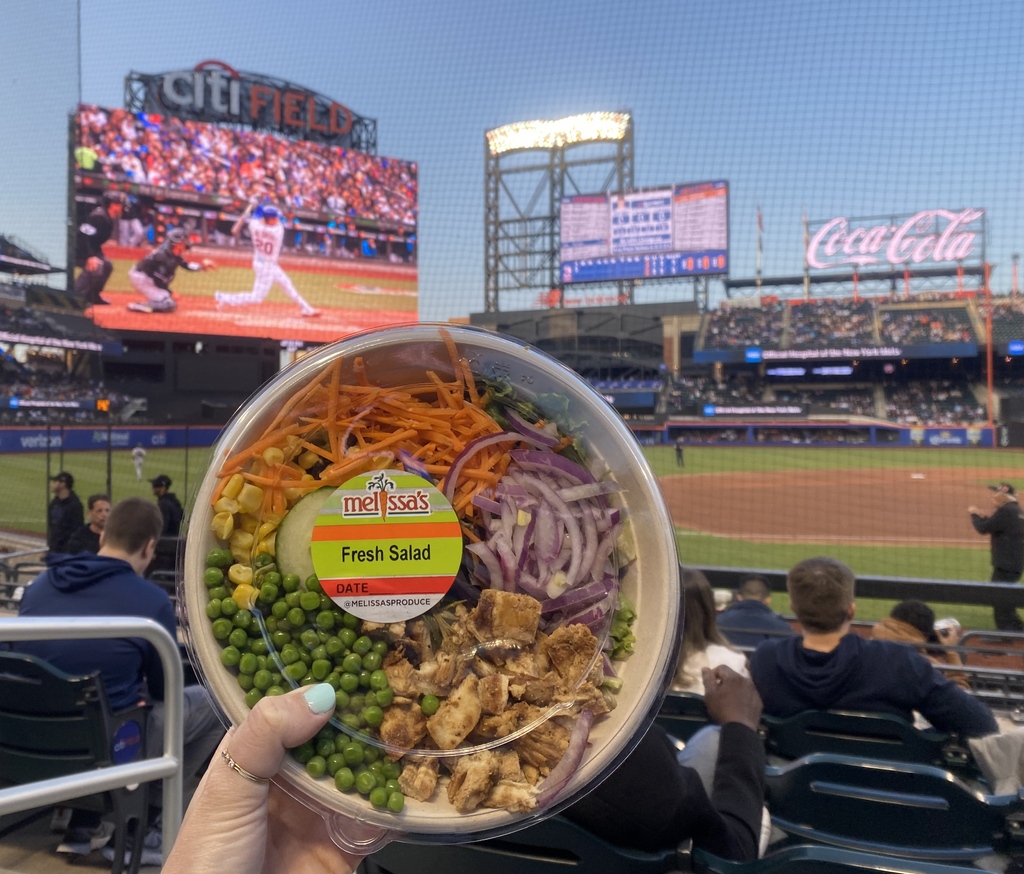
point(756, 354)
point(82, 439)
point(289, 239)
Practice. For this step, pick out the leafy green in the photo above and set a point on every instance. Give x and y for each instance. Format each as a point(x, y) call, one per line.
point(621, 635)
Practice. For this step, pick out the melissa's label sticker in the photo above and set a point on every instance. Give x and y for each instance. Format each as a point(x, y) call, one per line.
point(386, 546)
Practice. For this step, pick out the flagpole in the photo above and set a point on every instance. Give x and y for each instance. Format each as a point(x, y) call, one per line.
point(807, 266)
point(757, 269)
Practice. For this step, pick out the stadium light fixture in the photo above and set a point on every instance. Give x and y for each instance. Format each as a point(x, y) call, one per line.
point(585, 128)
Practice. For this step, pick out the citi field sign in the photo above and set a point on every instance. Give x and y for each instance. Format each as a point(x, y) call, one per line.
point(213, 91)
point(928, 238)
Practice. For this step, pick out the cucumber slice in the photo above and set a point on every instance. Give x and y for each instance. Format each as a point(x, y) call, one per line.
point(296, 531)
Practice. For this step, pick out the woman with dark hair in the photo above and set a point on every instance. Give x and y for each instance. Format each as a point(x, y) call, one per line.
point(703, 644)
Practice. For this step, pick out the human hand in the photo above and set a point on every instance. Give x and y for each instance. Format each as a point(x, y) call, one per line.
point(208, 264)
point(93, 264)
point(974, 511)
point(731, 697)
point(240, 824)
point(948, 636)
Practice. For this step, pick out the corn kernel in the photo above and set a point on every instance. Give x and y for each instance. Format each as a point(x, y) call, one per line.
point(244, 595)
point(292, 444)
point(248, 523)
point(266, 528)
point(223, 525)
point(250, 498)
point(268, 545)
point(241, 540)
point(522, 517)
point(226, 505)
point(234, 486)
point(240, 575)
point(273, 455)
point(307, 459)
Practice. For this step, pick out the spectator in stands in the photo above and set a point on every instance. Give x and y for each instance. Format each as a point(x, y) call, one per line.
point(111, 584)
point(913, 622)
point(703, 645)
point(170, 506)
point(633, 810)
point(749, 620)
point(829, 668)
point(64, 515)
point(87, 538)
point(1005, 528)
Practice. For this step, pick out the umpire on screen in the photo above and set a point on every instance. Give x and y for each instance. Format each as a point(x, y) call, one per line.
point(1005, 527)
point(93, 231)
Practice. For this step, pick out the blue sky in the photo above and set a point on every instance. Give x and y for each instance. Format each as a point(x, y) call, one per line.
point(854, 108)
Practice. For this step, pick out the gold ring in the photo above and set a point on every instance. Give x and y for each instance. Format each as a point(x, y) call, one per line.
point(238, 769)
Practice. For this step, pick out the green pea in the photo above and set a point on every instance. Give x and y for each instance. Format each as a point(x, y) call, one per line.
point(335, 762)
point(290, 582)
point(309, 639)
point(371, 661)
point(347, 636)
point(385, 696)
point(261, 662)
point(220, 558)
point(344, 779)
point(379, 797)
point(320, 669)
point(392, 770)
point(371, 754)
point(351, 721)
point(296, 616)
point(373, 716)
point(263, 560)
point(279, 610)
point(259, 647)
point(243, 620)
point(272, 623)
point(228, 607)
point(268, 593)
point(292, 599)
point(365, 783)
point(341, 696)
point(349, 682)
point(289, 653)
point(248, 663)
point(245, 682)
point(273, 690)
point(362, 645)
point(377, 767)
point(356, 703)
point(333, 680)
point(238, 639)
point(352, 664)
point(334, 648)
point(378, 681)
point(213, 576)
point(364, 678)
point(296, 670)
point(309, 601)
point(304, 752)
point(213, 609)
point(350, 621)
point(262, 679)
point(325, 746)
point(392, 786)
point(252, 697)
point(274, 578)
point(369, 699)
point(281, 639)
point(352, 753)
point(219, 592)
point(325, 620)
point(229, 656)
point(396, 801)
point(221, 628)
point(313, 584)
point(429, 704)
point(316, 767)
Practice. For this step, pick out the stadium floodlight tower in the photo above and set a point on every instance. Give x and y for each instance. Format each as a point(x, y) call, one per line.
point(582, 154)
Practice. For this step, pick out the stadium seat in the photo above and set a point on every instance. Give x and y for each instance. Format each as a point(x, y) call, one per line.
point(901, 809)
point(53, 724)
point(682, 714)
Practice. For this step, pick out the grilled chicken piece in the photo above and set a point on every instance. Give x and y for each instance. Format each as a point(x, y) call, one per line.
point(508, 721)
point(493, 691)
point(539, 692)
point(407, 680)
point(586, 697)
point(476, 777)
point(457, 716)
point(526, 663)
point(515, 795)
point(505, 616)
point(452, 669)
point(572, 649)
point(403, 726)
point(418, 779)
point(543, 747)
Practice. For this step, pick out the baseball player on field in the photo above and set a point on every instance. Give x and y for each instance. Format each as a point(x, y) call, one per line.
point(94, 230)
point(267, 233)
point(152, 276)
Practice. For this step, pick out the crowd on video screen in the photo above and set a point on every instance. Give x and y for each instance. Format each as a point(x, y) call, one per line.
point(239, 165)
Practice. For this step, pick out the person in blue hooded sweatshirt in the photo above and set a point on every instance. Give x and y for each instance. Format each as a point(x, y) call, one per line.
point(828, 668)
point(111, 584)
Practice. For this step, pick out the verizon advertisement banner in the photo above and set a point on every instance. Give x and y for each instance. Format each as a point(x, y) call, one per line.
point(931, 238)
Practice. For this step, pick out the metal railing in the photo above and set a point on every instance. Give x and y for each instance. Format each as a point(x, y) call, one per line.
point(168, 767)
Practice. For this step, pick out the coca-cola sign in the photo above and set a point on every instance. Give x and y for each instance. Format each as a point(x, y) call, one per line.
point(932, 236)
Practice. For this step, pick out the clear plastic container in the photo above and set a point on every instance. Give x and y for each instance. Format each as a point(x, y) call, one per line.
point(396, 357)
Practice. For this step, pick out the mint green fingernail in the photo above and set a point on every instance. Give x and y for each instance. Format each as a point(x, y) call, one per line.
point(320, 697)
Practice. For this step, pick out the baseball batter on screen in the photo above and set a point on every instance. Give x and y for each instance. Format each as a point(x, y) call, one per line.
point(267, 233)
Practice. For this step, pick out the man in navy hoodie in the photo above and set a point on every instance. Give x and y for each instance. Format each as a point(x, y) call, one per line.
point(750, 620)
point(111, 584)
point(828, 668)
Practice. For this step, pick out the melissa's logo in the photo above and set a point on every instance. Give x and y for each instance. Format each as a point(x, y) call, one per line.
point(383, 498)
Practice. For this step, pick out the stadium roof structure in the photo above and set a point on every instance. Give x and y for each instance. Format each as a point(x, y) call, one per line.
point(18, 257)
point(870, 282)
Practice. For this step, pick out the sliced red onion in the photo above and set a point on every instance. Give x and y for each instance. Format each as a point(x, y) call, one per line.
point(490, 561)
point(547, 534)
point(580, 597)
point(604, 550)
point(528, 428)
point(566, 516)
point(589, 490)
point(589, 548)
point(530, 586)
point(522, 541)
point(569, 763)
point(592, 616)
point(472, 448)
point(533, 460)
point(483, 503)
point(414, 465)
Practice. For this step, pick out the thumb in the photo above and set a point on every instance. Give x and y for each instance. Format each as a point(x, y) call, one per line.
point(276, 724)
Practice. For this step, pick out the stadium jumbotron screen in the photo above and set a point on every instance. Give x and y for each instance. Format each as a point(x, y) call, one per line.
point(682, 230)
point(272, 237)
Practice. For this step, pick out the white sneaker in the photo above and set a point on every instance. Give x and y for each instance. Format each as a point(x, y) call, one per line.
point(81, 842)
point(152, 849)
point(310, 314)
point(137, 307)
